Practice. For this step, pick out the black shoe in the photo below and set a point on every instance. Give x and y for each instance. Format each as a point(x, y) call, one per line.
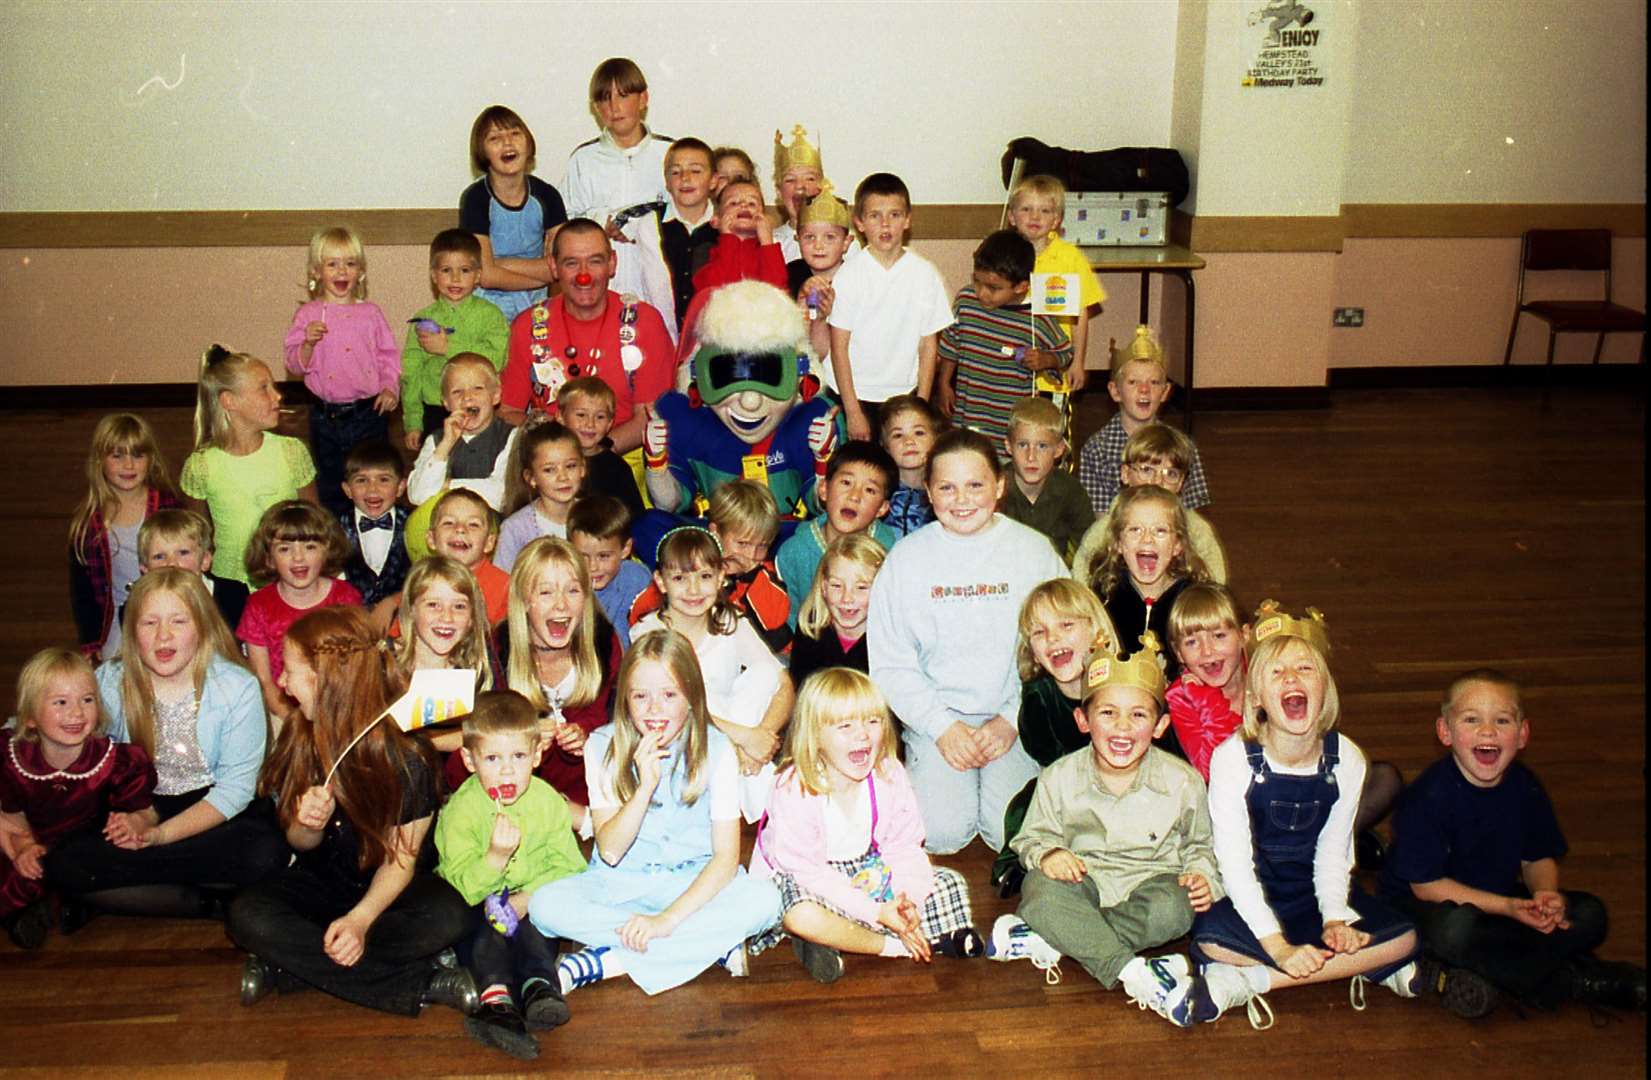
point(257, 980)
point(27, 928)
point(1463, 992)
point(1009, 887)
point(823, 962)
point(453, 988)
point(964, 944)
point(1592, 981)
point(1369, 850)
point(500, 1026)
point(73, 915)
point(543, 1006)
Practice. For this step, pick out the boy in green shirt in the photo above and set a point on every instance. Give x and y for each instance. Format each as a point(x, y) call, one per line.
point(505, 831)
point(458, 321)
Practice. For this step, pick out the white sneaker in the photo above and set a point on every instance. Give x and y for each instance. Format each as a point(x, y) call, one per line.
point(1219, 988)
point(1162, 984)
point(1012, 939)
point(1401, 982)
point(737, 963)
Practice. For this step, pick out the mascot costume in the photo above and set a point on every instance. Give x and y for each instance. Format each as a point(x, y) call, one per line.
point(750, 411)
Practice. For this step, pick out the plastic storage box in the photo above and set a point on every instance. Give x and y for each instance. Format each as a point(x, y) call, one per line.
point(1117, 218)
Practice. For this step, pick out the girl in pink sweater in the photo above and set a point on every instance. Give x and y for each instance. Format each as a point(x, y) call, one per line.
point(843, 840)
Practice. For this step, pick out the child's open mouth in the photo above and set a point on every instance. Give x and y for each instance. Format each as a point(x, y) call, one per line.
point(1060, 658)
point(1210, 673)
point(850, 616)
point(1120, 747)
point(165, 656)
point(1146, 561)
point(1487, 755)
point(558, 630)
point(860, 759)
point(445, 633)
point(299, 573)
point(1295, 705)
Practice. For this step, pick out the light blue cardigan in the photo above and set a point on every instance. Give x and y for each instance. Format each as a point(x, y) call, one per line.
point(230, 726)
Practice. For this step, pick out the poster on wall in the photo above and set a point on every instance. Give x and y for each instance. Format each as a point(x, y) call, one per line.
point(1292, 39)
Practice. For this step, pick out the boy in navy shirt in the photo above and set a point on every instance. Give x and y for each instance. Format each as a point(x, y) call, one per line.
point(1475, 864)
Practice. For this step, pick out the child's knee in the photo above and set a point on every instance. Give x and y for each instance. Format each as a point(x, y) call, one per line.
point(1586, 913)
point(1452, 931)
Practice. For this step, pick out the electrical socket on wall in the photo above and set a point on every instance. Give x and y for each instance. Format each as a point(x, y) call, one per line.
point(1348, 316)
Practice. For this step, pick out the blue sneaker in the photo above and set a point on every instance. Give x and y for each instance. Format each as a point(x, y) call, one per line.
point(580, 968)
point(1163, 984)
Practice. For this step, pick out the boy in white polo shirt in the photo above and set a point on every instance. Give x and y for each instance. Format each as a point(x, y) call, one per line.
point(888, 312)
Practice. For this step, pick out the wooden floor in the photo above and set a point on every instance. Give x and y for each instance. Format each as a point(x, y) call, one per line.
point(1437, 530)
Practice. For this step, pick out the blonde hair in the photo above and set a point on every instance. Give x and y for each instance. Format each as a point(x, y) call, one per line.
point(343, 238)
point(1107, 568)
point(587, 386)
point(222, 372)
point(1043, 186)
point(1263, 657)
point(688, 547)
point(1158, 442)
point(1062, 598)
point(500, 712)
point(215, 642)
point(1039, 413)
point(41, 669)
point(171, 524)
point(671, 649)
point(471, 650)
point(1206, 605)
point(1143, 348)
point(295, 520)
point(744, 506)
point(1489, 676)
point(469, 359)
point(520, 671)
point(826, 696)
point(114, 433)
point(858, 548)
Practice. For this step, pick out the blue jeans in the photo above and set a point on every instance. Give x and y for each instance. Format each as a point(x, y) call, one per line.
point(334, 431)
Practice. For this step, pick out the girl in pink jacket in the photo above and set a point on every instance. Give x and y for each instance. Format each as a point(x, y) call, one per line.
point(843, 840)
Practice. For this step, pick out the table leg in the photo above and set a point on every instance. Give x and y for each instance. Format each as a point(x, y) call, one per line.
point(1146, 297)
point(1192, 309)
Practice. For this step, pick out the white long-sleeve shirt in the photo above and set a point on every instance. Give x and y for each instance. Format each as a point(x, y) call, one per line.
point(430, 474)
point(943, 622)
point(604, 178)
point(1235, 850)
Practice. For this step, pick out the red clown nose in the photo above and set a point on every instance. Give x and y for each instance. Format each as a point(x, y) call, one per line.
point(582, 279)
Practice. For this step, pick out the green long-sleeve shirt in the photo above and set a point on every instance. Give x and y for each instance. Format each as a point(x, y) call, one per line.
point(477, 326)
point(464, 829)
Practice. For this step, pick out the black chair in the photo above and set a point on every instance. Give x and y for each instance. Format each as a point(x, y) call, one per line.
point(1572, 249)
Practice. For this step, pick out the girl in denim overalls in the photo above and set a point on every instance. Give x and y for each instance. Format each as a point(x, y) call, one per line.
point(665, 896)
point(1283, 793)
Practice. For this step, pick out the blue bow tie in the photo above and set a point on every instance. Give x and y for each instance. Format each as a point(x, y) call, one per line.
point(388, 521)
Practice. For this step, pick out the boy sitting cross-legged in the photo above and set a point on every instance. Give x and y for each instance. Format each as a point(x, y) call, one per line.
point(1117, 845)
point(1475, 863)
point(501, 835)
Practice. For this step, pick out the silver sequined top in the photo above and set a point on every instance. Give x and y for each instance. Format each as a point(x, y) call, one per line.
point(179, 765)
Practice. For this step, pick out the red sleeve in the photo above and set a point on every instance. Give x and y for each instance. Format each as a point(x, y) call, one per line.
point(739, 259)
point(131, 780)
point(1202, 720)
point(771, 266)
point(658, 369)
point(254, 628)
point(687, 339)
point(515, 385)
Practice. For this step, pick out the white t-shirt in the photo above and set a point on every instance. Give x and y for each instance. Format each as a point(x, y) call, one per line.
point(886, 312)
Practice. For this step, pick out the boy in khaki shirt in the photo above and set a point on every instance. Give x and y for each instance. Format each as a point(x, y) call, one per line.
point(1117, 844)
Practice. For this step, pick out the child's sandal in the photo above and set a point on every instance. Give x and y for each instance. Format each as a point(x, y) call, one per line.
point(964, 944)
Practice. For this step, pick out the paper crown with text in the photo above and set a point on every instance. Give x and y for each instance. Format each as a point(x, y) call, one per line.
point(801, 153)
point(826, 208)
point(1271, 622)
point(1144, 670)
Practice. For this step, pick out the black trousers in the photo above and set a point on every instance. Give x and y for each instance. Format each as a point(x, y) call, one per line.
point(1514, 957)
point(509, 961)
point(284, 921)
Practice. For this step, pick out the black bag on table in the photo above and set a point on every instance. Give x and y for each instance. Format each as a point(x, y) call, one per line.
point(1126, 168)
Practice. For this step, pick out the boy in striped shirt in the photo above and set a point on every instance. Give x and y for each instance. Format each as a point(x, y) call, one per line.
point(995, 346)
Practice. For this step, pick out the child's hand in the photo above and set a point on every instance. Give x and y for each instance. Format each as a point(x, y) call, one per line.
point(648, 756)
point(616, 233)
point(1551, 903)
point(945, 398)
point(385, 402)
point(1300, 961)
point(315, 806)
point(900, 916)
point(1062, 865)
point(958, 746)
point(345, 940)
point(995, 737)
point(824, 295)
point(314, 332)
point(1339, 937)
point(765, 230)
point(1040, 360)
point(28, 861)
point(570, 739)
point(1531, 913)
point(506, 838)
point(641, 929)
point(412, 439)
point(1198, 891)
point(855, 419)
point(452, 429)
point(1076, 375)
point(130, 832)
point(433, 342)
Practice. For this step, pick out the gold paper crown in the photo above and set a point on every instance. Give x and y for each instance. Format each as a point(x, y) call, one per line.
point(1144, 670)
point(826, 208)
point(1271, 622)
point(1144, 346)
point(800, 152)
